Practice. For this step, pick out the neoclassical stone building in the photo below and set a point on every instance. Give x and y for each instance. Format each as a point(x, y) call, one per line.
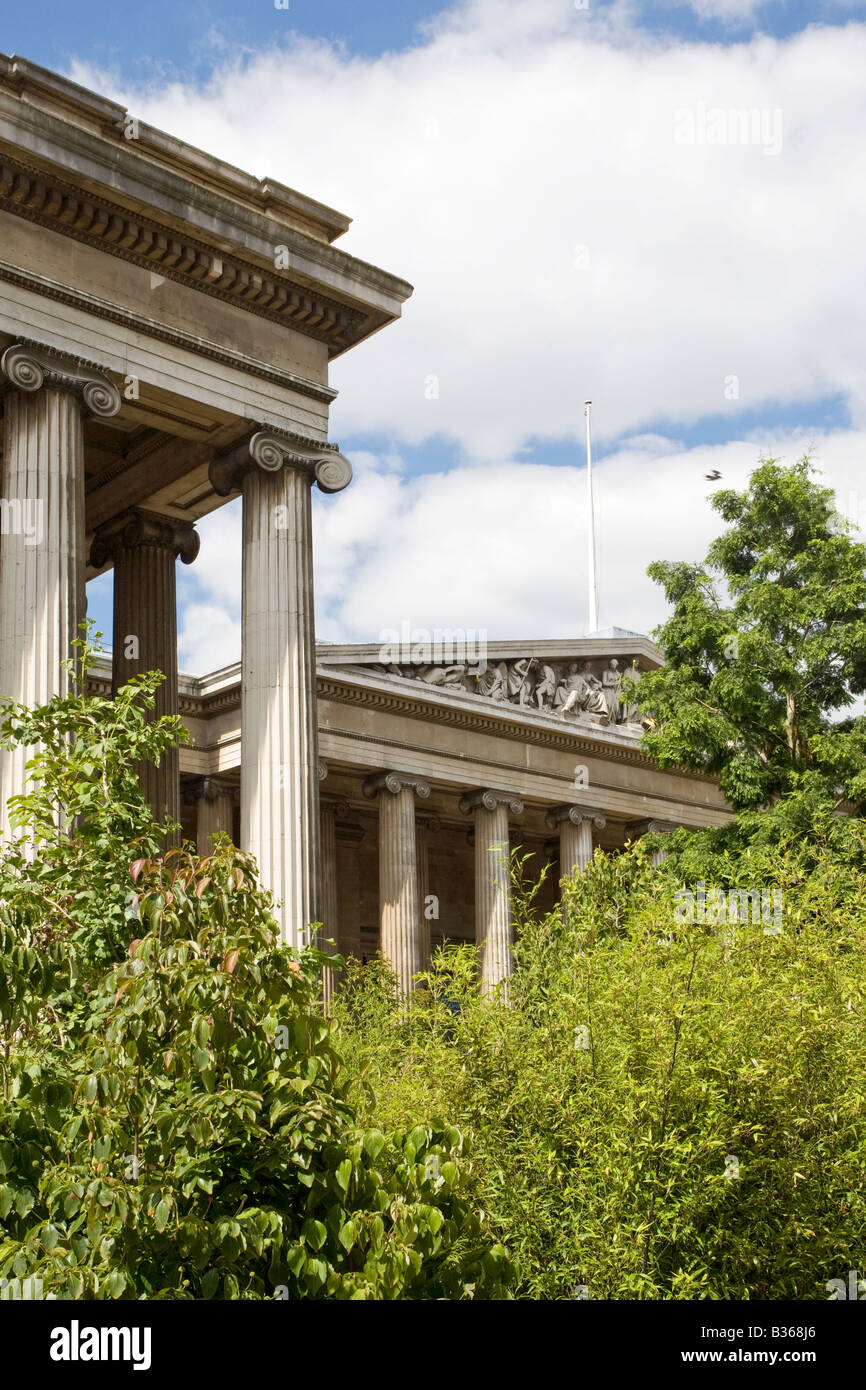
point(166, 328)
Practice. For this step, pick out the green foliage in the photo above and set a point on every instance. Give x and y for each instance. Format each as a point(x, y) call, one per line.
point(83, 818)
point(639, 1054)
point(765, 646)
point(174, 1121)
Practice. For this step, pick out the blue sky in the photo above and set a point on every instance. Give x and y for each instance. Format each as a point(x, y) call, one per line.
point(164, 39)
point(522, 163)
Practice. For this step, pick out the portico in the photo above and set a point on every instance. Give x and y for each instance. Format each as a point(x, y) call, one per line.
point(166, 327)
point(167, 324)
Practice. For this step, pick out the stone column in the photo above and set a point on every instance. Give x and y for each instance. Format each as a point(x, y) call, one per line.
point(654, 827)
point(42, 600)
point(144, 547)
point(494, 932)
point(279, 731)
point(349, 838)
point(330, 810)
point(575, 835)
point(400, 934)
point(423, 826)
point(215, 801)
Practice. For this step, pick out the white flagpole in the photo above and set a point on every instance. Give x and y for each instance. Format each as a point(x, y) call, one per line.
point(593, 586)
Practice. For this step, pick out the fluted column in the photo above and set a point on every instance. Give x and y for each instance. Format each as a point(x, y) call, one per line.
point(330, 810)
point(654, 827)
point(575, 835)
point(42, 562)
point(494, 931)
point(215, 801)
point(400, 934)
point(423, 827)
point(144, 547)
point(279, 731)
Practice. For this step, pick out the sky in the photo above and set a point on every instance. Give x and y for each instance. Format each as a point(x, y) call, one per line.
point(656, 206)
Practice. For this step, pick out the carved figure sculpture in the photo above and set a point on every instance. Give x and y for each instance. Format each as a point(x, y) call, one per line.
point(584, 693)
point(630, 712)
point(611, 679)
point(545, 687)
point(520, 680)
point(570, 682)
point(494, 682)
point(451, 677)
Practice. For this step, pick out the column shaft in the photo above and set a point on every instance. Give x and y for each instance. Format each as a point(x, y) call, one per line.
point(42, 573)
point(398, 886)
point(214, 817)
point(493, 927)
point(280, 781)
point(422, 860)
point(330, 926)
point(145, 624)
point(575, 846)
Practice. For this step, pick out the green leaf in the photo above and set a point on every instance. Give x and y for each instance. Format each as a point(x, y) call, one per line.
point(374, 1142)
point(24, 1201)
point(315, 1234)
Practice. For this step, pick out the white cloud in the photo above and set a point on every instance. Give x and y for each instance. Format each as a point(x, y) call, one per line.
point(210, 637)
point(502, 547)
point(521, 167)
point(209, 596)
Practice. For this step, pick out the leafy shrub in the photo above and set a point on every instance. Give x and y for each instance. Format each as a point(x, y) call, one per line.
point(667, 1109)
point(174, 1120)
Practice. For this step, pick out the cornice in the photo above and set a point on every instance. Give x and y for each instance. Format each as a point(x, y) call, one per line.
point(484, 719)
point(86, 129)
point(91, 119)
point(50, 201)
point(465, 715)
point(152, 328)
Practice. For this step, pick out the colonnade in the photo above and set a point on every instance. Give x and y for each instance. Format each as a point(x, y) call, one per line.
point(47, 396)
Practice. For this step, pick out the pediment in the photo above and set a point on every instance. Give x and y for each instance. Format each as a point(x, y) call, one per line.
point(577, 680)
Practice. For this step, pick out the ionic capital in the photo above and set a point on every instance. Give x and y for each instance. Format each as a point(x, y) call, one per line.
point(652, 827)
point(394, 782)
point(339, 807)
point(272, 450)
point(135, 527)
point(489, 800)
point(576, 814)
point(208, 789)
point(30, 366)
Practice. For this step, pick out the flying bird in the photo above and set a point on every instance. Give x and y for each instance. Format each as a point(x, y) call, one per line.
point(713, 477)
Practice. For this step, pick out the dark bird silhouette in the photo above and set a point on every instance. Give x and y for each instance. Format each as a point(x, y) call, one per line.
point(713, 477)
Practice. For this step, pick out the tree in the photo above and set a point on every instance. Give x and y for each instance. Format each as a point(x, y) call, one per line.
point(174, 1122)
point(765, 647)
point(673, 1104)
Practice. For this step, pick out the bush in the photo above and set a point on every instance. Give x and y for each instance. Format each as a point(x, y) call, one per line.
point(174, 1121)
point(666, 1109)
